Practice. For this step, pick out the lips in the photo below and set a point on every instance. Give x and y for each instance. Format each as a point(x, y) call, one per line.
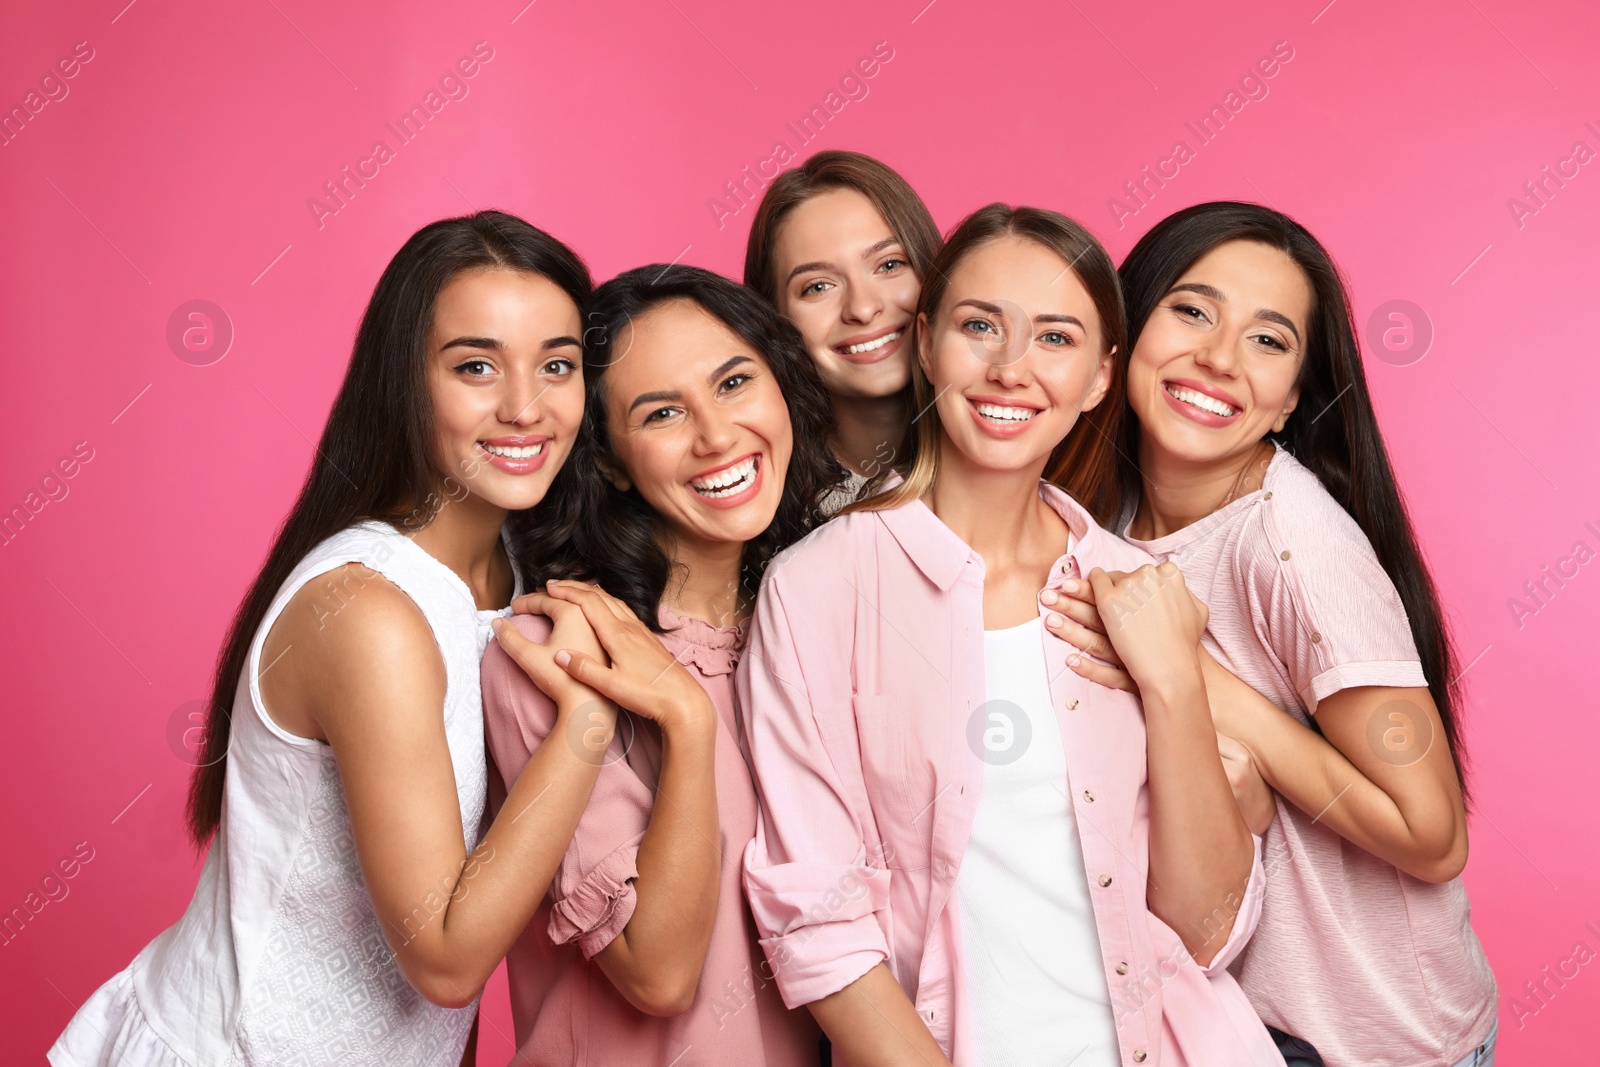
point(872, 347)
point(1002, 416)
point(519, 454)
point(1202, 403)
point(731, 484)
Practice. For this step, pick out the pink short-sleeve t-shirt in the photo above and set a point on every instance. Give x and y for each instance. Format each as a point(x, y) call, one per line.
point(1372, 966)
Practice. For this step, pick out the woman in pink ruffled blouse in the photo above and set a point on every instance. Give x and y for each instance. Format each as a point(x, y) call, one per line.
point(703, 454)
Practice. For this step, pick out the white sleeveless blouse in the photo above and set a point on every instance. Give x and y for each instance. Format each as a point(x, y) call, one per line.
point(280, 958)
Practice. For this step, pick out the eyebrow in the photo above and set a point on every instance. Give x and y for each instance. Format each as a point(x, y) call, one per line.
point(994, 309)
point(823, 264)
point(494, 345)
point(1216, 294)
point(673, 394)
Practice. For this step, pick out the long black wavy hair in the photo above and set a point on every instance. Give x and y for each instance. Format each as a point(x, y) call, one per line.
point(377, 458)
point(1333, 430)
point(590, 530)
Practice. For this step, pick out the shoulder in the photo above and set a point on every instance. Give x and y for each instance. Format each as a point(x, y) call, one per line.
point(837, 539)
point(1297, 513)
point(349, 638)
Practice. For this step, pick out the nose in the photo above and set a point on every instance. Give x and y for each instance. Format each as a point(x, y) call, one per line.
point(1219, 355)
point(862, 303)
point(715, 432)
point(1010, 361)
point(520, 400)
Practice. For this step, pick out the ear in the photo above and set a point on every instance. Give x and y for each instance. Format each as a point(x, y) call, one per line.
point(1288, 409)
point(1101, 384)
point(615, 475)
point(924, 344)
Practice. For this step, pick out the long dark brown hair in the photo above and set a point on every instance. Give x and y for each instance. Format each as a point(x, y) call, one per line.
point(1333, 430)
point(377, 458)
point(589, 529)
point(1083, 463)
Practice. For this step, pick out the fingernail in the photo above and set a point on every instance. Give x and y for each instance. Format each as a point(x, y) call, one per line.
point(1070, 585)
point(1054, 620)
point(1048, 596)
point(563, 658)
point(1072, 661)
point(550, 584)
point(495, 623)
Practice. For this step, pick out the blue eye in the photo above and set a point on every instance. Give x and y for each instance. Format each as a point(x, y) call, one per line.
point(979, 326)
point(1055, 337)
point(892, 263)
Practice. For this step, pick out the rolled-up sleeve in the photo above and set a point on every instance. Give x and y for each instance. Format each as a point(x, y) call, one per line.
point(814, 894)
point(1245, 919)
point(592, 894)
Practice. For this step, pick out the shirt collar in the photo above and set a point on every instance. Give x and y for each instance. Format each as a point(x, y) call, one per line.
point(939, 554)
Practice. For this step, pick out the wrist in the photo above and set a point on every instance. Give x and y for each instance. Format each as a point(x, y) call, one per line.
point(1179, 680)
point(690, 720)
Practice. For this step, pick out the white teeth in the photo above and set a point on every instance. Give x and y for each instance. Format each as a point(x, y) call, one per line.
point(1005, 413)
point(873, 345)
point(1200, 400)
point(734, 479)
point(513, 451)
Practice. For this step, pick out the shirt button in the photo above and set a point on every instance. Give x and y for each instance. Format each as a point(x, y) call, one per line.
point(1122, 968)
point(1284, 554)
point(1105, 880)
point(1268, 496)
point(1088, 795)
point(1072, 704)
point(1316, 638)
point(1139, 1055)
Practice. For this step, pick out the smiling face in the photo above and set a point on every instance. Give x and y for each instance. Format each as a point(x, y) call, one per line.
point(505, 380)
point(1014, 355)
point(698, 425)
point(1215, 365)
point(846, 283)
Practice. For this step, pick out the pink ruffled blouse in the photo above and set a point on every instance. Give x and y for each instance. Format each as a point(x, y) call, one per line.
point(565, 1009)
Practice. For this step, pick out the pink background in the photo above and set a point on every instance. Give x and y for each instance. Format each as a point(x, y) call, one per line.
point(180, 164)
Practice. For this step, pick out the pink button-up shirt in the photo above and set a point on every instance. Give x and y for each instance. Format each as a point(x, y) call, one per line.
point(859, 687)
point(565, 1010)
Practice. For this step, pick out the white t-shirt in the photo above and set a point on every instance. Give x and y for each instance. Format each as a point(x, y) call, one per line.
point(1032, 955)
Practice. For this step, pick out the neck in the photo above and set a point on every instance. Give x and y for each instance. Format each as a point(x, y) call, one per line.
point(866, 429)
point(999, 514)
point(1178, 492)
point(465, 536)
point(705, 581)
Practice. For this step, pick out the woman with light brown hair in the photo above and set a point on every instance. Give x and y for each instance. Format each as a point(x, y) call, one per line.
point(841, 245)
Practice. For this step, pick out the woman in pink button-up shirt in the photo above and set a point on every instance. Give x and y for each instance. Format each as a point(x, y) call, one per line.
point(866, 664)
point(703, 452)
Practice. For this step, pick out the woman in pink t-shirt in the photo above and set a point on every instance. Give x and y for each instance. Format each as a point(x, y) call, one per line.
point(703, 452)
point(965, 856)
point(1253, 460)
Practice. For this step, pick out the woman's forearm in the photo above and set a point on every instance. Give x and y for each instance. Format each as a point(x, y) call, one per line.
point(657, 958)
point(1200, 848)
point(454, 938)
point(872, 1023)
point(1421, 831)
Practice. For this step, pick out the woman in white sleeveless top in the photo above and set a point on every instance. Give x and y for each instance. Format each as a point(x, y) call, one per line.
point(349, 910)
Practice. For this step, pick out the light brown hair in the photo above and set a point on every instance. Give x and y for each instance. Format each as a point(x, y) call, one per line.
point(902, 209)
